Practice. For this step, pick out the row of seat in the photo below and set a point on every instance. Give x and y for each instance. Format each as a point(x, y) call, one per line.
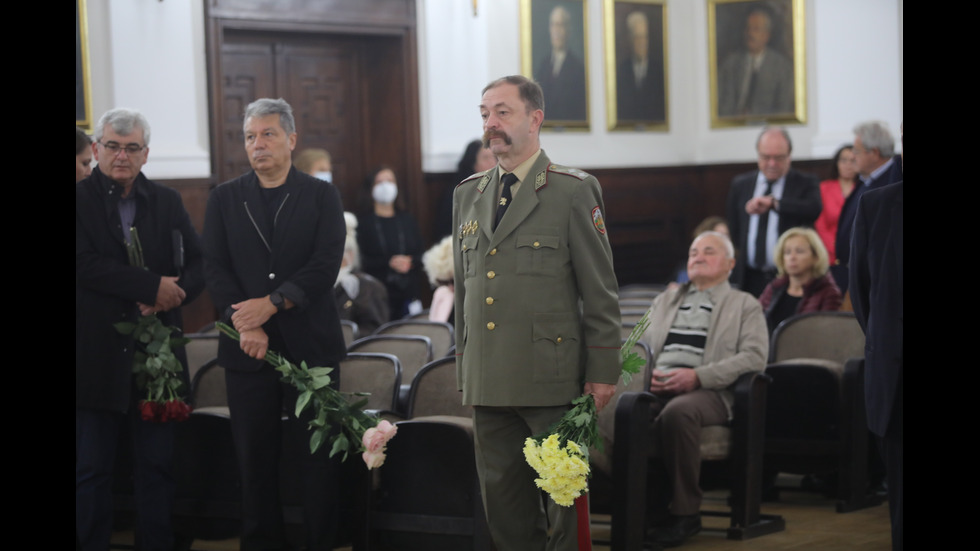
point(820, 345)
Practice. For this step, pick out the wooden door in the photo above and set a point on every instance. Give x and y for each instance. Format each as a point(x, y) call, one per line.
point(318, 74)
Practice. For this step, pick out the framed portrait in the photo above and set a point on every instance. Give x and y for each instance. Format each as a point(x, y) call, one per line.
point(757, 62)
point(83, 87)
point(554, 45)
point(636, 64)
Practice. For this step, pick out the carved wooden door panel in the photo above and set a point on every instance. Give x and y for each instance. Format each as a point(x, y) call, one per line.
point(317, 74)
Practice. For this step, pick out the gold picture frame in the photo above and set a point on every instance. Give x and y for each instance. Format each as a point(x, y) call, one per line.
point(83, 86)
point(757, 62)
point(547, 25)
point(636, 64)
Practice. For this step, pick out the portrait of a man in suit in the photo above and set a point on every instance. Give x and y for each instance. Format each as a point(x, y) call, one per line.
point(559, 54)
point(640, 89)
point(754, 53)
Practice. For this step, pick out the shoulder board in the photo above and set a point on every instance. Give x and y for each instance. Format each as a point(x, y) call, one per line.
point(485, 174)
point(573, 172)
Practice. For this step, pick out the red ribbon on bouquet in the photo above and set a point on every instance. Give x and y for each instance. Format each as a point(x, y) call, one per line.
point(584, 523)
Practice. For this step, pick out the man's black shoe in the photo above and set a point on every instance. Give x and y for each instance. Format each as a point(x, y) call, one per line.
point(678, 530)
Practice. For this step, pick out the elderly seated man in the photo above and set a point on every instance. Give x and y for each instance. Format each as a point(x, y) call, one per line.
point(704, 335)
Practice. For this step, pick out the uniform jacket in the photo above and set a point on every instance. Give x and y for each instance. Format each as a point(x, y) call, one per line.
point(738, 341)
point(877, 292)
point(107, 288)
point(523, 338)
point(800, 205)
point(245, 259)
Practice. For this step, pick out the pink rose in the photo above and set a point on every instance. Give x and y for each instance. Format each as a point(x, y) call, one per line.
point(375, 438)
point(373, 460)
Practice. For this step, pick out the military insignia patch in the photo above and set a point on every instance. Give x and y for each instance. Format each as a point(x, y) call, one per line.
point(597, 220)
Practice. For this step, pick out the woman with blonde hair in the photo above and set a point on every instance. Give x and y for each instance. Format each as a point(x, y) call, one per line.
point(438, 262)
point(803, 283)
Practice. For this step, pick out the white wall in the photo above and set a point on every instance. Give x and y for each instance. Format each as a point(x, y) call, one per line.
point(854, 73)
point(150, 55)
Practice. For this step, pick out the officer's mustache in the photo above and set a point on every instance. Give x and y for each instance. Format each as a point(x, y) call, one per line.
point(490, 134)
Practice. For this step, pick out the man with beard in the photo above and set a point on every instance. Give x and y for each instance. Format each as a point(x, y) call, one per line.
point(537, 318)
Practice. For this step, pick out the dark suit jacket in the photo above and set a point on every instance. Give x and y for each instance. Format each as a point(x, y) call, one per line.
point(771, 93)
point(644, 102)
point(564, 94)
point(800, 205)
point(246, 259)
point(107, 288)
point(877, 292)
point(845, 224)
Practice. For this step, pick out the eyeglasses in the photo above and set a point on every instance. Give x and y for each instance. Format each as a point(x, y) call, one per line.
point(116, 148)
point(776, 158)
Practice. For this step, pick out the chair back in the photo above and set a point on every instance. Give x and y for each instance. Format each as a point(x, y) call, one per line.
point(434, 391)
point(442, 334)
point(208, 386)
point(202, 348)
point(377, 374)
point(834, 336)
point(413, 351)
point(351, 331)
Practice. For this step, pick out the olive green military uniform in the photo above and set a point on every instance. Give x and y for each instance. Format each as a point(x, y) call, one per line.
point(536, 317)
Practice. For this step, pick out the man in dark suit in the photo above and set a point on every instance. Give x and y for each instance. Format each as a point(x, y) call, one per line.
point(537, 320)
point(274, 239)
point(639, 78)
point(878, 166)
point(757, 80)
point(108, 290)
point(763, 204)
point(562, 73)
point(877, 293)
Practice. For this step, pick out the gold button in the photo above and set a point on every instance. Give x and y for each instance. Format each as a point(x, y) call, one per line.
point(559, 339)
point(489, 300)
point(490, 326)
point(537, 244)
point(493, 252)
point(464, 248)
point(491, 275)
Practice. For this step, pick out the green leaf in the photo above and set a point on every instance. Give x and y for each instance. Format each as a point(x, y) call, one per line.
point(301, 401)
point(340, 444)
point(125, 327)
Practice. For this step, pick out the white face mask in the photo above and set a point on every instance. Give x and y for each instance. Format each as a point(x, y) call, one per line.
point(385, 192)
point(326, 176)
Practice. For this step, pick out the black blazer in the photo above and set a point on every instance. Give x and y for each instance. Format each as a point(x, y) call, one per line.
point(845, 223)
point(107, 288)
point(800, 205)
point(877, 292)
point(245, 258)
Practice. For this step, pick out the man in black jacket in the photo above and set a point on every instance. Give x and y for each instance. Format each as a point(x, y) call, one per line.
point(108, 290)
point(273, 240)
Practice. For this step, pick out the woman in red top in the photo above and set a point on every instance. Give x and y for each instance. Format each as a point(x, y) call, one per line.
point(833, 192)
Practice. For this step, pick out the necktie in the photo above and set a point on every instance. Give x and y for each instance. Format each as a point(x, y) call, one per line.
point(762, 233)
point(508, 180)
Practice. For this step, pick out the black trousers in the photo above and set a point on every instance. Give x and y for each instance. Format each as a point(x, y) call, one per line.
point(268, 435)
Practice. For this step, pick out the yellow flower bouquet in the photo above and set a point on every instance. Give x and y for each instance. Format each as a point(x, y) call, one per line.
point(560, 457)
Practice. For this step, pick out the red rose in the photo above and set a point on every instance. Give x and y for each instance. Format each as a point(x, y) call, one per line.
point(149, 411)
point(177, 410)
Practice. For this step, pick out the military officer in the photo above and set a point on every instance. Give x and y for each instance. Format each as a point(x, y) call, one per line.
point(537, 318)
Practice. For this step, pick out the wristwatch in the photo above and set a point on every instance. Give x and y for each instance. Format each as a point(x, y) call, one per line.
point(277, 300)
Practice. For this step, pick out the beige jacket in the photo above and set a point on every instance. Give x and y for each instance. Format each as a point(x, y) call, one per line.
point(738, 341)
